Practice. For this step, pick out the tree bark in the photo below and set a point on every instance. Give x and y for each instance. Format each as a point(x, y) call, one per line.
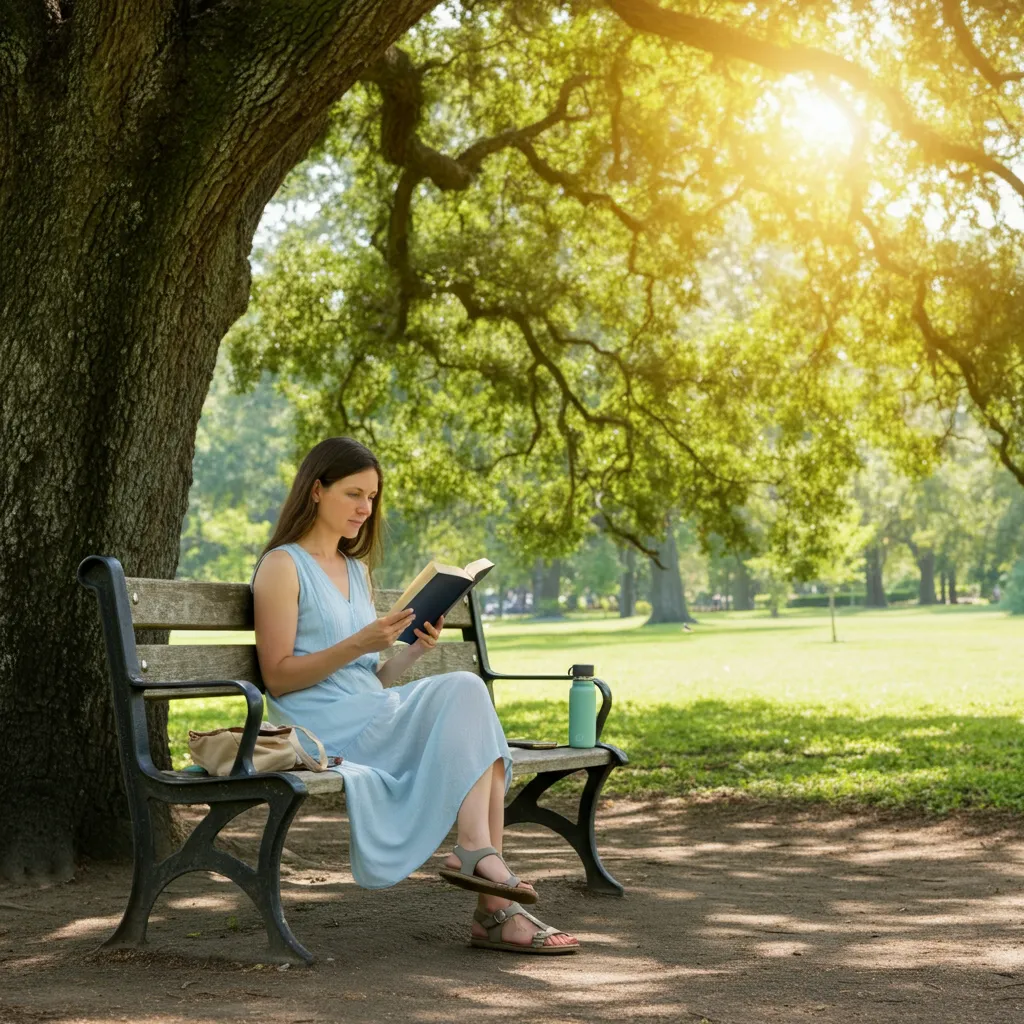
point(926, 586)
point(136, 156)
point(742, 588)
point(627, 588)
point(550, 578)
point(874, 562)
point(952, 585)
point(942, 586)
point(668, 602)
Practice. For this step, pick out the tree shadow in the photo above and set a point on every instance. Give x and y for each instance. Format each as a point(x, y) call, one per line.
point(732, 913)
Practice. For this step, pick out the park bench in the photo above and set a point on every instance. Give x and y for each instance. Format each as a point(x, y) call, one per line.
point(159, 672)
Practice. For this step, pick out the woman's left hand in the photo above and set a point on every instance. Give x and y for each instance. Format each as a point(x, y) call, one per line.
point(426, 641)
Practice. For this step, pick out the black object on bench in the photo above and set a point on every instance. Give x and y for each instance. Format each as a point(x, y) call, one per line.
point(162, 672)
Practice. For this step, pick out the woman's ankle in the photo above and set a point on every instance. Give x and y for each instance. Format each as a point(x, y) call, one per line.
point(471, 842)
point(489, 904)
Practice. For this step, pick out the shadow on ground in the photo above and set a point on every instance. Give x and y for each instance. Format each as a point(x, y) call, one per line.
point(734, 913)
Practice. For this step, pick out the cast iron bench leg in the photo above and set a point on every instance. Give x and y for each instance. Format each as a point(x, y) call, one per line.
point(579, 835)
point(197, 853)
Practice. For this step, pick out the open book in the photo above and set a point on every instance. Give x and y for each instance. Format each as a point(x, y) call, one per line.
point(436, 590)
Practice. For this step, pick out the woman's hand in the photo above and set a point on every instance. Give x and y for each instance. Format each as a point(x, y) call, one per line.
point(426, 641)
point(382, 633)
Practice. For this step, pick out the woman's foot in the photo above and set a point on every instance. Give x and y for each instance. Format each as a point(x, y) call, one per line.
point(491, 867)
point(518, 930)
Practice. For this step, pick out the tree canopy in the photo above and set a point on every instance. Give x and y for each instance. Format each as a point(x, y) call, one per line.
point(626, 258)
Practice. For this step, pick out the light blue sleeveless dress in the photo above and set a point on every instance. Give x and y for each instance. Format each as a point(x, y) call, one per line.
point(411, 753)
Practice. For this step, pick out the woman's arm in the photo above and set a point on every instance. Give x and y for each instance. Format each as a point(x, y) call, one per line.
point(395, 667)
point(276, 614)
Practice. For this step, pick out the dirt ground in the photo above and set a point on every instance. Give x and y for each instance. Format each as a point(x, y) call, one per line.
point(733, 913)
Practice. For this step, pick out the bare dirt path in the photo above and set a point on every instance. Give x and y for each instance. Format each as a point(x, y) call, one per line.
point(734, 914)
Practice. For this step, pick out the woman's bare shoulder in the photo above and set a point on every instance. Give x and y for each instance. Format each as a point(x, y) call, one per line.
point(277, 570)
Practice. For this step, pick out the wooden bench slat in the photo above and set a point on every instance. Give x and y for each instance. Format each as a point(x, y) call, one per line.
point(166, 663)
point(194, 604)
point(524, 762)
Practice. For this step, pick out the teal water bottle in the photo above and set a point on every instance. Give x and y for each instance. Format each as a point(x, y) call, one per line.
point(582, 707)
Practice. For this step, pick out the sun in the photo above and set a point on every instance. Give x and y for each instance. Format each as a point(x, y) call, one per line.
point(815, 119)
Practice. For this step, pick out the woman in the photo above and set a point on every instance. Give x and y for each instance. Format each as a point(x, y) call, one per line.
point(416, 758)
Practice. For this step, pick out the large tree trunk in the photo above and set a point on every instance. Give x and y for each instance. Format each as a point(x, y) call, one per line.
point(742, 588)
point(668, 602)
point(952, 585)
point(627, 587)
point(874, 562)
point(926, 587)
point(136, 156)
point(545, 601)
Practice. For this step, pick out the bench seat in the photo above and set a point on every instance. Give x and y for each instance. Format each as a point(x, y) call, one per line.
point(524, 762)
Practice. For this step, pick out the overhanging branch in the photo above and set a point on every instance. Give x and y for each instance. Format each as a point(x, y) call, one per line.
point(954, 18)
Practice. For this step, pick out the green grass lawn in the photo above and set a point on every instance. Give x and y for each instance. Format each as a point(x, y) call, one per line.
point(919, 709)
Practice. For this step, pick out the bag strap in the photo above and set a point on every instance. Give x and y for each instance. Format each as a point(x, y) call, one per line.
point(300, 752)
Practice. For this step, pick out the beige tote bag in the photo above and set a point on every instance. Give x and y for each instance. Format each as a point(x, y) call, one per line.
point(277, 749)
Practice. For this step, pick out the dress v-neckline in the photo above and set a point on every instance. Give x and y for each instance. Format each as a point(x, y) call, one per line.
point(323, 572)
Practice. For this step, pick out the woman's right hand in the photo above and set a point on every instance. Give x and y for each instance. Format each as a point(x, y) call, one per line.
point(382, 633)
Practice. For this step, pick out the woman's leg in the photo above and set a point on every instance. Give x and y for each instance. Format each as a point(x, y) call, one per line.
point(481, 822)
point(473, 821)
point(496, 811)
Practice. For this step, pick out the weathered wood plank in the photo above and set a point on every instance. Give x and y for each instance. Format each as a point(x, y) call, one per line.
point(165, 663)
point(189, 604)
point(194, 604)
point(524, 762)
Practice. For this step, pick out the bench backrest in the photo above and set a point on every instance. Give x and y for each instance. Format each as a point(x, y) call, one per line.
point(195, 605)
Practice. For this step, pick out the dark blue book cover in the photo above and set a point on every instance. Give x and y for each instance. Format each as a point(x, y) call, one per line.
point(436, 591)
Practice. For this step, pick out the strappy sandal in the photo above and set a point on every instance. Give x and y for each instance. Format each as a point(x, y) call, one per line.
point(466, 878)
point(492, 924)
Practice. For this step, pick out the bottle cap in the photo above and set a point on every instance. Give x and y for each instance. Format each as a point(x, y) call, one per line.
point(581, 671)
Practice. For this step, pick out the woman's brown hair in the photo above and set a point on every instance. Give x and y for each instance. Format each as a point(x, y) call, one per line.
point(331, 460)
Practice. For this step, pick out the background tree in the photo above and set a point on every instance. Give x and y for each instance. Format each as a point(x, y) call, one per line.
point(843, 560)
point(668, 600)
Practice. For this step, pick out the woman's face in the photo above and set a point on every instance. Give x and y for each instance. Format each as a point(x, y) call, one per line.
point(347, 503)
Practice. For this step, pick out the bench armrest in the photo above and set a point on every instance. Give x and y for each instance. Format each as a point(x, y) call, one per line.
point(606, 691)
point(221, 687)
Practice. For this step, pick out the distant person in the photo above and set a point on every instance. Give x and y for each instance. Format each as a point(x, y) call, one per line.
point(417, 758)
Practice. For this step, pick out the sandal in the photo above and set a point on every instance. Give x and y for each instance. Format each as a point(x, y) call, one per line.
point(465, 877)
point(493, 922)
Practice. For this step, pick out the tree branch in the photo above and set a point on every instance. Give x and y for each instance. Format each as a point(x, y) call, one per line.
point(954, 18)
point(571, 186)
point(257, 79)
point(399, 82)
point(939, 343)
